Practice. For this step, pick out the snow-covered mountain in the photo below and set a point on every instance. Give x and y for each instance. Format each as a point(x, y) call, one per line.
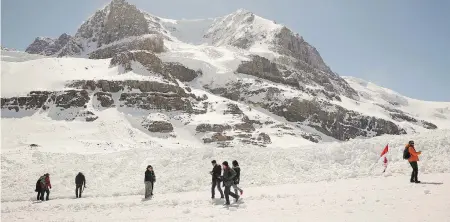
point(248, 61)
point(130, 89)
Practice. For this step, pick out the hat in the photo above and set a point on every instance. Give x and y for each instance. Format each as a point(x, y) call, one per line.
point(225, 163)
point(149, 166)
point(411, 142)
point(213, 161)
point(235, 163)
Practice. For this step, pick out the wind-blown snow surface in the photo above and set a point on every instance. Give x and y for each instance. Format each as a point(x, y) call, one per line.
point(277, 182)
point(354, 200)
point(113, 154)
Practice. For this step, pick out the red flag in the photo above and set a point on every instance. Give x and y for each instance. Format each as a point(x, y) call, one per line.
point(386, 149)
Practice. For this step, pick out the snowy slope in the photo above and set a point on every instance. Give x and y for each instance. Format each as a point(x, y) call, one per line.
point(372, 200)
point(53, 73)
point(112, 152)
point(372, 96)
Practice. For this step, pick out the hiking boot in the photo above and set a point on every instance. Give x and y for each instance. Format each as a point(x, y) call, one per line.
point(417, 182)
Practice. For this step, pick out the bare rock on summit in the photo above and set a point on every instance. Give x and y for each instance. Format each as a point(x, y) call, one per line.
point(48, 46)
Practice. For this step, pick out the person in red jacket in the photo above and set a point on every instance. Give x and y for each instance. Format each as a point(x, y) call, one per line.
point(414, 157)
point(45, 186)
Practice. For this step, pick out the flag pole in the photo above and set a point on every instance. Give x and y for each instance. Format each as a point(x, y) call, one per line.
point(383, 153)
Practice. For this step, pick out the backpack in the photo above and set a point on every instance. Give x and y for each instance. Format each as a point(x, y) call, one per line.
point(406, 154)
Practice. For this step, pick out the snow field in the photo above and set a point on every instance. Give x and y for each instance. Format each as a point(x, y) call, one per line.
point(113, 154)
point(353, 200)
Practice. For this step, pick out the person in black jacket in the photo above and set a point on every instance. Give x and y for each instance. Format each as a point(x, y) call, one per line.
point(149, 180)
point(216, 173)
point(228, 180)
point(38, 189)
point(80, 181)
point(237, 178)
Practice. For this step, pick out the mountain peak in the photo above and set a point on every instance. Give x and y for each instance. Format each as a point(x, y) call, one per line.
point(241, 11)
point(118, 2)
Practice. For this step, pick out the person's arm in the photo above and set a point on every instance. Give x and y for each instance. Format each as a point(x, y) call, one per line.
point(238, 174)
point(233, 174)
point(154, 177)
point(47, 180)
point(84, 181)
point(413, 152)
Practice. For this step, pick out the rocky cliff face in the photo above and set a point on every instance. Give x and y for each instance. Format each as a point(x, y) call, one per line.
point(48, 46)
point(118, 27)
point(122, 20)
point(327, 118)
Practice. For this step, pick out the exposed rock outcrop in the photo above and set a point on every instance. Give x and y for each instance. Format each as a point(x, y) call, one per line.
point(297, 74)
point(105, 99)
point(157, 88)
point(335, 121)
point(169, 70)
point(288, 43)
point(264, 138)
point(327, 118)
point(147, 59)
point(233, 109)
point(158, 126)
point(401, 116)
point(212, 128)
point(48, 46)
point(88, 116)
point(71, 98)
point(265, 69)
point(180, 72)
point(245, 127)
point(217, 137)
point(34, 100)
point(152, 43)
point(150, 101)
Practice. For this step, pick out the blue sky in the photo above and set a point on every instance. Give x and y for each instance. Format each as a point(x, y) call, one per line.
point(403, 45)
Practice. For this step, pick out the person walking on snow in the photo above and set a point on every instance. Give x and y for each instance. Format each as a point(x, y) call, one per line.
point(237, 169)
point(216, 173)
point(45, 186)
point(149, 180)
point(414, 157)
point(38, 189)
point(80, 181)
point(228, 180)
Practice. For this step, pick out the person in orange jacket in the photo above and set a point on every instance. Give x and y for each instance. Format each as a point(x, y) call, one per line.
point(414, 157)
